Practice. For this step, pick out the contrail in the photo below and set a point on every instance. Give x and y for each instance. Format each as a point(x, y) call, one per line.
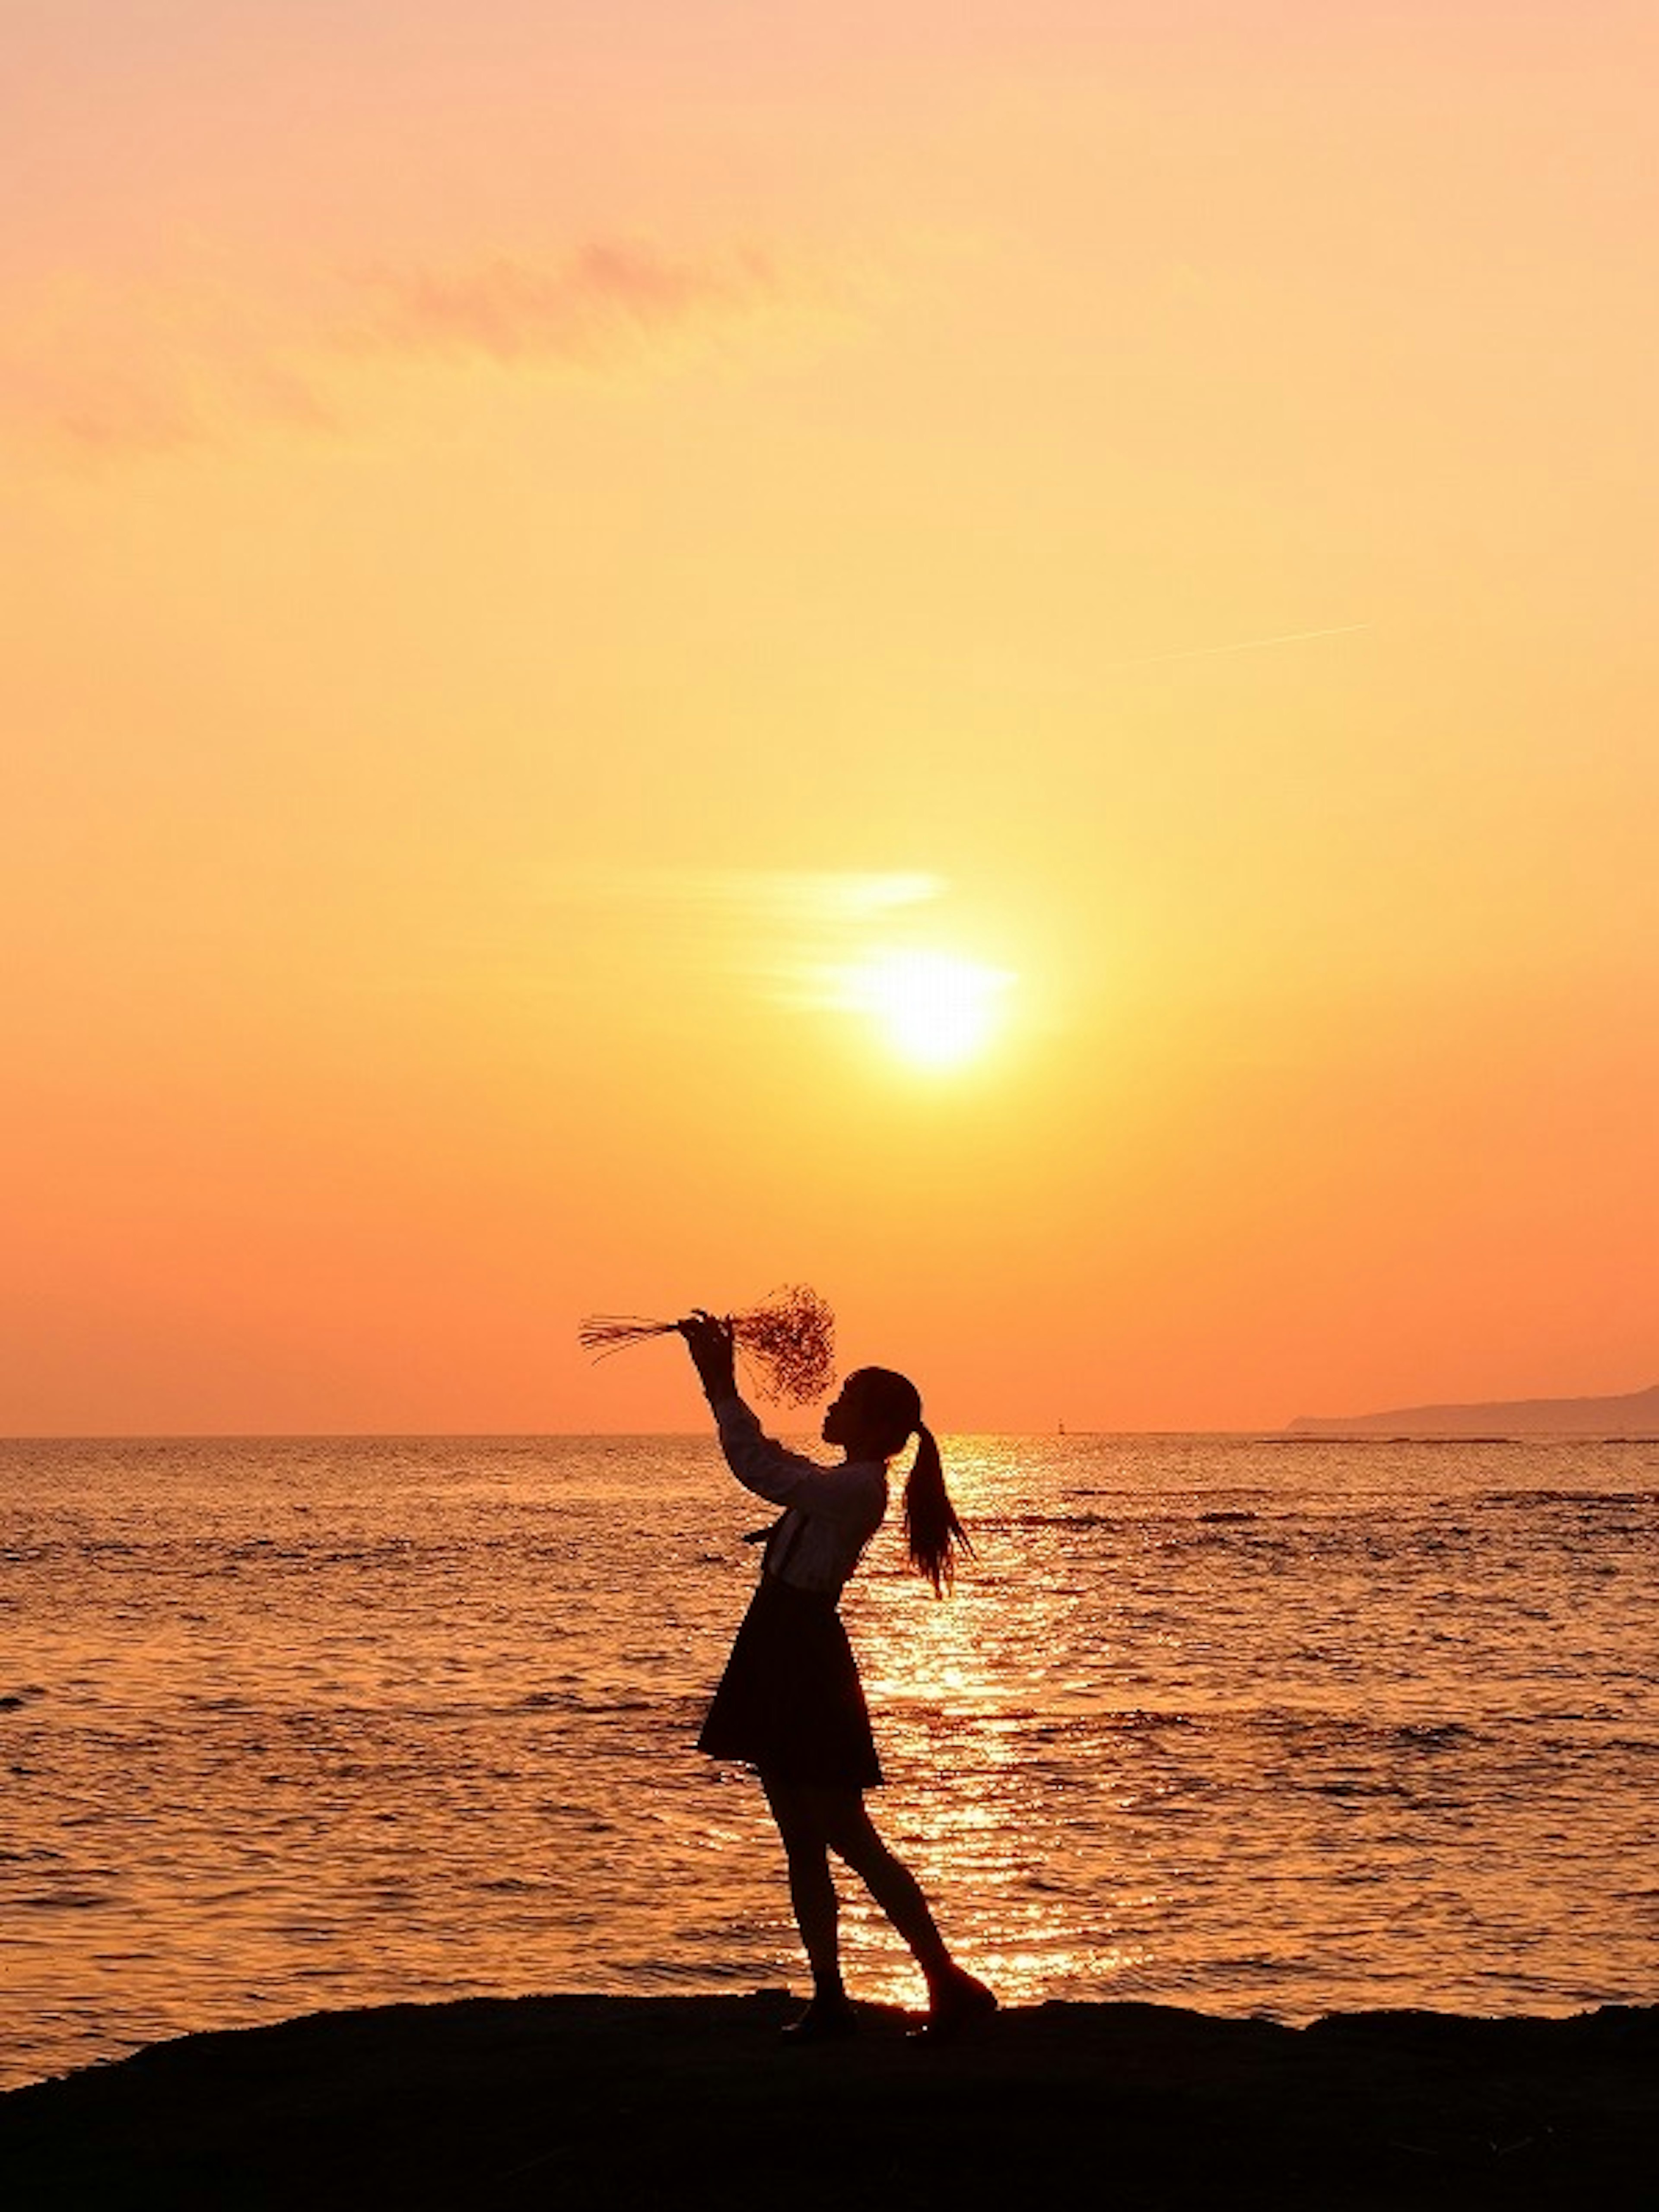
point(1244, 645)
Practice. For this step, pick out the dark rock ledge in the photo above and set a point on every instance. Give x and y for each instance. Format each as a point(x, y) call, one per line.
point(616, 2102)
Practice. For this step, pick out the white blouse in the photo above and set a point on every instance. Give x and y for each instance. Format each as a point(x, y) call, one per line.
point(832, 1511)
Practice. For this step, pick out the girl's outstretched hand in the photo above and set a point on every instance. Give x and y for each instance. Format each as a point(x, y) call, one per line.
point(710, 1344)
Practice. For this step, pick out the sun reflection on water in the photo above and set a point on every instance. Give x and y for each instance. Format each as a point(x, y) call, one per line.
point(961, 1689)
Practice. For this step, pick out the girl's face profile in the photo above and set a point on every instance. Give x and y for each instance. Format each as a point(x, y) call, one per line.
point(841, 1416)
point(830, 1428)
point(860, 1420)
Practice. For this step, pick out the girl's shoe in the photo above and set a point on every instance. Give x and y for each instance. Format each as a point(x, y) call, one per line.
point(956, 2001)
point(826, 2020)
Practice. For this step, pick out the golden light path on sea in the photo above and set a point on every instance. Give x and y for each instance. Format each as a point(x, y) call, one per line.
point(948, 1679)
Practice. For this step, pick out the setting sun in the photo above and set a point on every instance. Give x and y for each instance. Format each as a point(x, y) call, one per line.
point(935, 1008)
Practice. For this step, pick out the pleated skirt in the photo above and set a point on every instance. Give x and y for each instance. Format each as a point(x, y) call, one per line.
point(790, 1701)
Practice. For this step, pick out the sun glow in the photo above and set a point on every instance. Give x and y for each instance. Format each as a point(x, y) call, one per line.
point(936, 1009)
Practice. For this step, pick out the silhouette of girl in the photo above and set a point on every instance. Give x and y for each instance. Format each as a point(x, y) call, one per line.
point(790, 1702)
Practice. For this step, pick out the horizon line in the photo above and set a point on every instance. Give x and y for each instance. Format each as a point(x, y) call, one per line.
point(487, 1435)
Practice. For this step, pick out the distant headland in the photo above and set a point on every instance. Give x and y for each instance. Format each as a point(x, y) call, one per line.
point(1634, 1414)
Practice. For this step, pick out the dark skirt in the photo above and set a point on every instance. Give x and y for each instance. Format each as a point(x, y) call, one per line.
point(790, 1701)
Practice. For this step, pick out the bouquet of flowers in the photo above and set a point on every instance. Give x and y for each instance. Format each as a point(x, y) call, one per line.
point(785, 1345)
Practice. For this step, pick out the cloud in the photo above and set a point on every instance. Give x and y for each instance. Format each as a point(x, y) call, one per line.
point(110, 368)
point(607, 302)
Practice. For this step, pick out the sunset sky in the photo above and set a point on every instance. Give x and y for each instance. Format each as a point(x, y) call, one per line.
point(543, 541)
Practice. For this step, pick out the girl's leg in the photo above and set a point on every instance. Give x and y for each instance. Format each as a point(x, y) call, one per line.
point(954, 1996)
point(844, 1823)
point(812, 1891)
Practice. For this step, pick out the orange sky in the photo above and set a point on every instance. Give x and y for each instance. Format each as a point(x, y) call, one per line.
point(540, 538)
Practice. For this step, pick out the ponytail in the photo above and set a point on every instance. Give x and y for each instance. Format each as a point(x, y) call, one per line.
point(933, 1534)
point(890, 1414)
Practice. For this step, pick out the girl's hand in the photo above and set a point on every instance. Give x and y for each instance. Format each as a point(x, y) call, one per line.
point(713, 1353)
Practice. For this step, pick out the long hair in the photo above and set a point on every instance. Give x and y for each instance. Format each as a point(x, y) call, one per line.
point(933, 1536)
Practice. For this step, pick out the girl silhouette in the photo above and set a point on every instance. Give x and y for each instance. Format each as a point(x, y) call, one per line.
point(790, 1702)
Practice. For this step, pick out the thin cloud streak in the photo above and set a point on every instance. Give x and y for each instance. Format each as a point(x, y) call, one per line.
point(786, 935)
point(1240, 645)
point(825, 897)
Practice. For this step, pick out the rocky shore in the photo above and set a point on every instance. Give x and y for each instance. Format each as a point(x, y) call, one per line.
point(619, 2102)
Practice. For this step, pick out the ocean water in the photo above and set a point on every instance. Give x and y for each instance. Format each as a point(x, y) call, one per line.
point(1250, 1725)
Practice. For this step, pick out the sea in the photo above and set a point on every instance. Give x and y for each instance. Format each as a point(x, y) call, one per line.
point(1251, 1725)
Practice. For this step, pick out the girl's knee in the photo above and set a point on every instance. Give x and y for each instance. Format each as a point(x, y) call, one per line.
point(853, 1837)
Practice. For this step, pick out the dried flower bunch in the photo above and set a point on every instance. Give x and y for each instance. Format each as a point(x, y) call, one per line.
point(786, 1344)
